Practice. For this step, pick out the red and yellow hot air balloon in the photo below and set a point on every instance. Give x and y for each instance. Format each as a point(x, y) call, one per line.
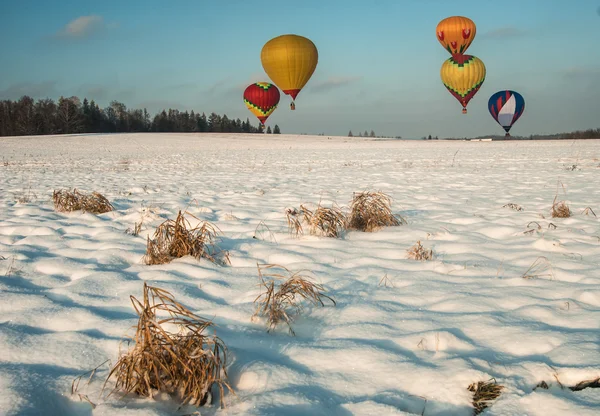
point(456, 33)
point(290, 60)
point(463, 75)
point(261, 98)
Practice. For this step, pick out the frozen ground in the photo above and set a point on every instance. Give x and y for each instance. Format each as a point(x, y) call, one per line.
point(410, 348)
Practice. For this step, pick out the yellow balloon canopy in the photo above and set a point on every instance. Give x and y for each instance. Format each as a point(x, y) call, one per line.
point(463, 75)
point(289, 60)
point(456, 33)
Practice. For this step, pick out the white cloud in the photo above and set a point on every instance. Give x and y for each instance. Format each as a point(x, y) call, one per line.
point(82, 27)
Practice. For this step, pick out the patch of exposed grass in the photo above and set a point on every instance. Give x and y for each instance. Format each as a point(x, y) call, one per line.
point(484, 392)
point(176, 239)
point(370, 211)
point(283, 294)
point(418, 252)
point(68, 201)
point(185, 364)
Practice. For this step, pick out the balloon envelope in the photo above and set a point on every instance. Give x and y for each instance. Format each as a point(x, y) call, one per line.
point(261, 98)
point(290, 61)
point(456, 33)
point(506, 107)
point(463, 75)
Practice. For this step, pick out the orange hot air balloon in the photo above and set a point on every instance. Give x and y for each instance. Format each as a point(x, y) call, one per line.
point(463, 75)
point(290, 61)
point(456, 33)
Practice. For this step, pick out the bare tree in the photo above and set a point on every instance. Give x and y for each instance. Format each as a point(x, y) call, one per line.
point(68, 115)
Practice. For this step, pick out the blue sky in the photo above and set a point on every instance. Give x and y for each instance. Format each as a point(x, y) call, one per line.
point(378, 69)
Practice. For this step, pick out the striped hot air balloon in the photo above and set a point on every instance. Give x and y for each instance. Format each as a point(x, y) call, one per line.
point(506, 107)
point(261, 98)
point(463, 75)
point(290, 60)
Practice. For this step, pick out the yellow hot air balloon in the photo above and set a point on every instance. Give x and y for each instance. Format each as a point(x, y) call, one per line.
point(456, 33)
point(463, 75)
point(289, 60)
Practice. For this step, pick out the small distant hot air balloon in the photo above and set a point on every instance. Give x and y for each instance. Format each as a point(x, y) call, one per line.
point(261, 98)
point(456, 33)
point(290, 60)
point(463, 75)
point(506, 107)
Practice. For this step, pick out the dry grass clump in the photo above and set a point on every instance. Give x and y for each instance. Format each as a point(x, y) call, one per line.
point(176, 239)
point(370, 211)
point(323, 221)
point(294, 221)
point(560, 209)
point(329, 222)
point(68, 201)
point(484, 394)
point(185, 364)
point(541, 267)
point(514, 207)
point(418, 252)
point(283, 295)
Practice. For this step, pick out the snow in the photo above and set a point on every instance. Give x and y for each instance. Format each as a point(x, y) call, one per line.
point(412, 347)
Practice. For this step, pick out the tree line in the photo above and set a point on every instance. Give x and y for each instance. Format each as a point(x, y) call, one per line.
point(574, 135)
point(70, 115)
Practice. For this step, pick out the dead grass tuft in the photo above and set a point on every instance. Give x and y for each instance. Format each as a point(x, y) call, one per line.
point(587, 384)
point(283, 294)
point(484, 394)
point(418, 252)
point(541, 267)
point(68, 201)
point(514, 207)
point(370, 211)
point(560, 209)
point(328, 222)
point(263, 232)
point(385, 280)
point(294, 221)
point(589, 211)
point(176, 239)
point(185, 364)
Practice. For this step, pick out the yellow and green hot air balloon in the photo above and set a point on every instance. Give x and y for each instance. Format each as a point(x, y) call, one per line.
point(463, 75)
point(290, 60)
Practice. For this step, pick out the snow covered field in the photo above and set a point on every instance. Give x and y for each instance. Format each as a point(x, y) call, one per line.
point(411, 347)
